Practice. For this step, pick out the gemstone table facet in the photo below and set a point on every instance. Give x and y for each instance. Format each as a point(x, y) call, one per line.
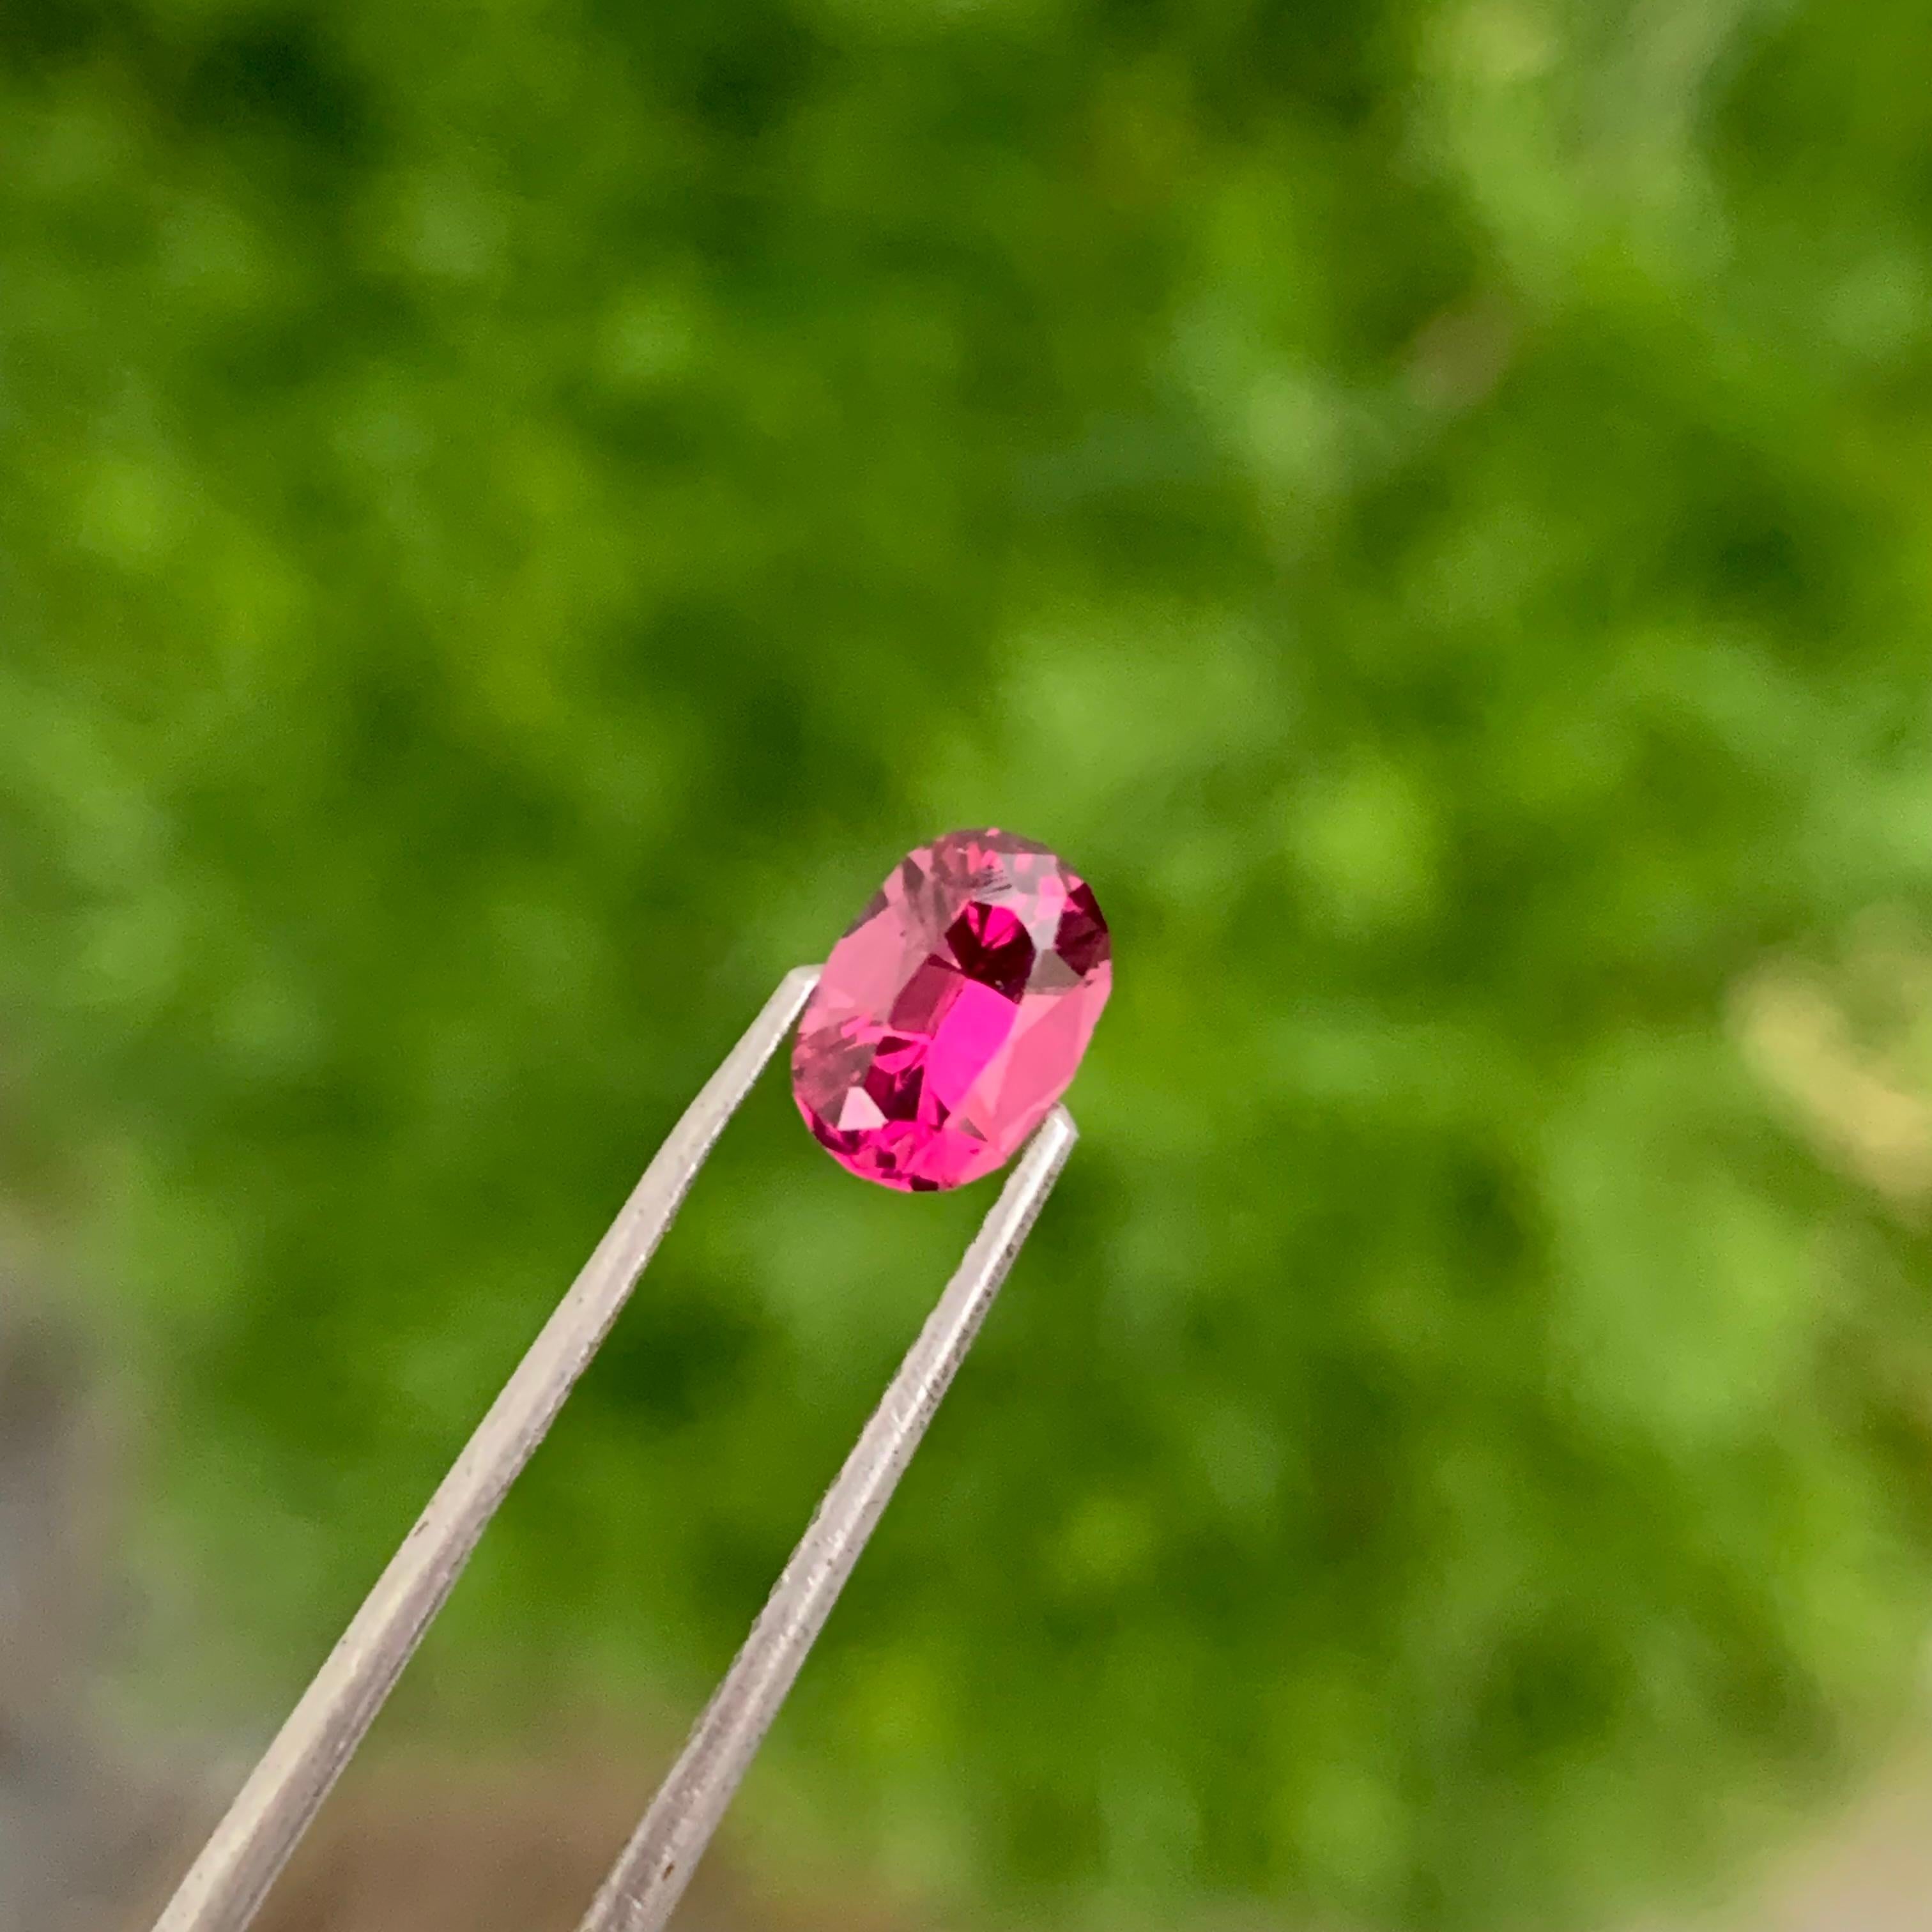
point(953, 1014)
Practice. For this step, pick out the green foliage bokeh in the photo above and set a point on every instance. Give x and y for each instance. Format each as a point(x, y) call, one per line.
point(512, 518)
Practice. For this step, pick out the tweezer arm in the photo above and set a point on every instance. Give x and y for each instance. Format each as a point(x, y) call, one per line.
point(649, 1878)
point(226, 1884)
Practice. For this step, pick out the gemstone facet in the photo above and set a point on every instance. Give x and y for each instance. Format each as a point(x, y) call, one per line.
point(952, 1016)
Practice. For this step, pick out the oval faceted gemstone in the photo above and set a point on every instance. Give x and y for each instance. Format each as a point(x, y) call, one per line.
point(952, 1016)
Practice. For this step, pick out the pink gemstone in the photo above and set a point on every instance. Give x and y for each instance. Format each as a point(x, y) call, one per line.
point(951, 1016)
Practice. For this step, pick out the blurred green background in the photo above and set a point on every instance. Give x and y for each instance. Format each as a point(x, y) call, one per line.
point(512, 517)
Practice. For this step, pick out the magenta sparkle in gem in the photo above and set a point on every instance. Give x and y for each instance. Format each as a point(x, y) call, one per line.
point(954, 1012)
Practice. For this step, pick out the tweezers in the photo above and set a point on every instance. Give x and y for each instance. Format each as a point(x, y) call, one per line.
point(225, 1886)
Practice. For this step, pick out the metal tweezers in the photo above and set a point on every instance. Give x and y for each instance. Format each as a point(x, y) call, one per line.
point(226, 1885)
